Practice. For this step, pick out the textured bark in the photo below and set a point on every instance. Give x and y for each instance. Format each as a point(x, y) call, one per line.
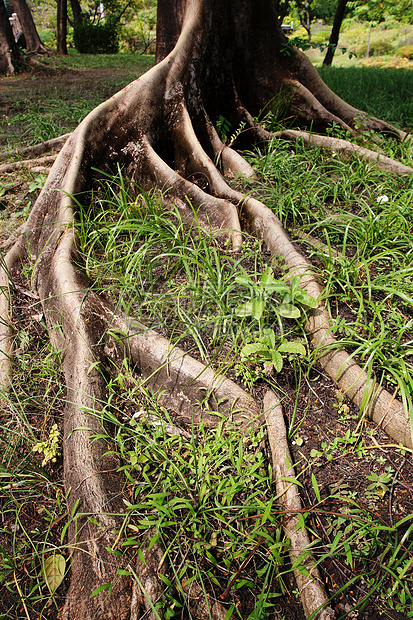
point(61, 27)
point(10, 56)
point(214, 59)
point(33, 42)
point(77, 12)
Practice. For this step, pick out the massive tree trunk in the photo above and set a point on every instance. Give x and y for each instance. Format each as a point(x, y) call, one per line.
point(214, 59)
point(33, 42)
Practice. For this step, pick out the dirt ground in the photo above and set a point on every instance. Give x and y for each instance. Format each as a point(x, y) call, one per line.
point(325, 414)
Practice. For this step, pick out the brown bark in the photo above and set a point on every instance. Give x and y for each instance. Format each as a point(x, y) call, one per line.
point(213, 59)
point(77, 12)
point(33, 42)
point(335, 32)
point(10, 56)
point(61, 28)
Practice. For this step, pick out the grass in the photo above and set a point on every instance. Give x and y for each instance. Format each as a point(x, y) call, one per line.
point(208, 495)
point(369, 282)
point(384, 92)
point(185, 281)
point(50, 106)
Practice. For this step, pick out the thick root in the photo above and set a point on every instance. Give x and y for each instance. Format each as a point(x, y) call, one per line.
point(313, 596)
point(361, 388)
point(348, 148)
point(8, 263)
point(55, 144)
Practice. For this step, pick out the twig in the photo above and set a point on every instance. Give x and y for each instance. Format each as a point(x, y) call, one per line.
point(21, 596)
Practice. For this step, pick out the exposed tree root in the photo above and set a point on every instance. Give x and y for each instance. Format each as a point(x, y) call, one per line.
point(313, 596)
point(28, 163)
point(349, 149)
point(160, 131)
point(55, 144)
point(7, 265)
point(357, 384)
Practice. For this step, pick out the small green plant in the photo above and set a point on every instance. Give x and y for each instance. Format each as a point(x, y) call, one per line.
point(380, 482)
point(223, 127)
point(264, 348)
point(50, 448)
point(267, 353)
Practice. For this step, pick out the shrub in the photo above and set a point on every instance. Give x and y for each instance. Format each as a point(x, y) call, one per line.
point(377, 48)
point(405, 52)
point(100, 38)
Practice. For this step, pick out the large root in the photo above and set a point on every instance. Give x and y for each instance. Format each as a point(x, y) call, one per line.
point(313, 596)
point(153, 131)
point(346, 148)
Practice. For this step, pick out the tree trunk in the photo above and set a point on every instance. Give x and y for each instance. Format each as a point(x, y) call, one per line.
point(335, 32)
point(61, 28)
point(305, 19)
point(10, 56)
point(77, 12)
point(33, 42)
point(214, 59)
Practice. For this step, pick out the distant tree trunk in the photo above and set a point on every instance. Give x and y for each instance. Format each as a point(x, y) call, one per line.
point(335, 31)
point(33, 42)
point(77, 12)
point(61, 32)
point(10, 55)
point(305, 18)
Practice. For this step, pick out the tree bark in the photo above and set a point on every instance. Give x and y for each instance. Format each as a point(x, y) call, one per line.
point(10, 55)
point(77, 12)
point(33, 42)
point(305, 18)
point(61, 28)
point(335, 32)
point(213, 59)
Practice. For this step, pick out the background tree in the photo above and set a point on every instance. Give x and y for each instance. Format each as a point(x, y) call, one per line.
point(77, 12)
point(304, 9)
point(61, 27)
point(335, 32)
point(214, 60)
point(33, 42)
point(10, 55)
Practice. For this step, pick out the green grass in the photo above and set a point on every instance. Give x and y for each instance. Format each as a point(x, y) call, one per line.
point(53, 105)
point(208, 495)
point(74, 60)
point(370, 281)
point(382, 92)
point(31, 495)
point(184, 281)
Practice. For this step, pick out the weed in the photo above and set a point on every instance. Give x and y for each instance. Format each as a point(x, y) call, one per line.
point(50, 448)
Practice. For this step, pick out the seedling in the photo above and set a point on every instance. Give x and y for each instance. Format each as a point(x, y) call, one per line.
point(266, 349)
